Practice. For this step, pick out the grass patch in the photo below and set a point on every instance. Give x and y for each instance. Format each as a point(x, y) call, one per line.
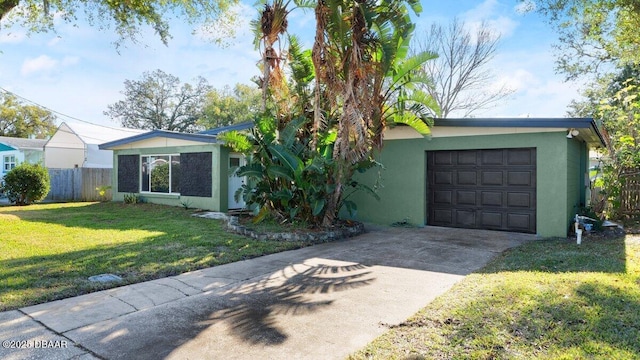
point(48, 251)
point(548, 299)
point(271, 225)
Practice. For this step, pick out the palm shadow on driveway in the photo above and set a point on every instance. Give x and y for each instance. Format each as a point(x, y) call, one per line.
point(253, 309)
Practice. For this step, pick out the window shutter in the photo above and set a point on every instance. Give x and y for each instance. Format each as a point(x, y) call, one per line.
point(129, 173)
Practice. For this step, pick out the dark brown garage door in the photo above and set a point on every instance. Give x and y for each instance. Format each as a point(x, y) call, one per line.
point(482, 189)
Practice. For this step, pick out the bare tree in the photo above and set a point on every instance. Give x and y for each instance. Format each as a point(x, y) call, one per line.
point(460, 75)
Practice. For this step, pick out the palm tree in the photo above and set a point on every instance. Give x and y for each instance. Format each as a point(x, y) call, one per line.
point(362, 75)
point(364, 82)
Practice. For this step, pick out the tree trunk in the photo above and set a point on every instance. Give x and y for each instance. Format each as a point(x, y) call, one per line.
point(333, 201)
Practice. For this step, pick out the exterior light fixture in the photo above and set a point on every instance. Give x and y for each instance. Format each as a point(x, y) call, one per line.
point(572, 133)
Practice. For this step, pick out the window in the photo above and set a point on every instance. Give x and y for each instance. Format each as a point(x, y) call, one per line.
point(160, 174)
point(9, 162)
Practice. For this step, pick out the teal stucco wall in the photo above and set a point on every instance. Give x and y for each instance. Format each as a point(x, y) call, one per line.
point(403, 180)
point(219, 178)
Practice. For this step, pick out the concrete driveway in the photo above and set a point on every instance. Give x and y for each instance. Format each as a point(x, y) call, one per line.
point(320, 302)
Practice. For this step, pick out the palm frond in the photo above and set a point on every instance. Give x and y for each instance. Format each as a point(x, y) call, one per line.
point(238, 141)
point(412, 120)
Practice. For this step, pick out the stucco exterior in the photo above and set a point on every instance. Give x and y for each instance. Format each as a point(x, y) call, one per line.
point(561, 170)
point(218, 201)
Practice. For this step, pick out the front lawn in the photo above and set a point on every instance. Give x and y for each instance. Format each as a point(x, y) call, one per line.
point(48, 251)
point(549, 299)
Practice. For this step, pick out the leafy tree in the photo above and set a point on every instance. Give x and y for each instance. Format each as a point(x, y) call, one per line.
point(26, 183)
point(23, 121)
point(615, 101)
point(593, 33)
point(460, 74)
point(326, 114)
point(160, 101)
point(227, 106)
point(620, 113)
point(127, 17)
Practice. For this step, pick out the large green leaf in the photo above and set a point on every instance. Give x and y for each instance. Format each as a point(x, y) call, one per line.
point(412, 120)
point(351, 207)
point(286, 157)
point(423, 98)
point(237, 141)
point(288, 134)
point(317, 206)
point(253, 170)
point(412, 64)
point(277, 171)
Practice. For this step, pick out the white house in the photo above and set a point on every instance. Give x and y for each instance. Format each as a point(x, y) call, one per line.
point(75, 145)
point(14, 151)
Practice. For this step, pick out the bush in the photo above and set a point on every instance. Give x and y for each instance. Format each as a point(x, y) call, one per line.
point(26, 183)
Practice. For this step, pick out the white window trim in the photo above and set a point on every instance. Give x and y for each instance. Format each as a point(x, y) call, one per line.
point(149, 192)
point(11, 161)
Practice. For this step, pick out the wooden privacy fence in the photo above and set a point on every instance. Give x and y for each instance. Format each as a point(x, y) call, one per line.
point(630, 194)
point(78, 184)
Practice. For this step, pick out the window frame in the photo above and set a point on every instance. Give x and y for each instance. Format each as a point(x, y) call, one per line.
point(144, 161)
point(12, 163)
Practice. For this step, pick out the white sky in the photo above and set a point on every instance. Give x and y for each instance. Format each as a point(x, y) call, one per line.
point(79, 72)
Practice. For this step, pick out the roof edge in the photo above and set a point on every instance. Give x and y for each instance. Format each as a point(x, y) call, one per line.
point(515, 122)
point(204, 138)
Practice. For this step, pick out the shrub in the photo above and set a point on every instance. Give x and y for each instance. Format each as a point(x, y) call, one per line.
point(132, 199)
point(26, 183)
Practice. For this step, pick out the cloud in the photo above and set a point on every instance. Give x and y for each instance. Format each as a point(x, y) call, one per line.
point(526, 6)
point(45, 64)
point(54, 41)
point(70, 60)
point(488, 12)
point(12, 37)
point(39, 64)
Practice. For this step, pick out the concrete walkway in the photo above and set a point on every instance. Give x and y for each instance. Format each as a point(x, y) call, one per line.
point(320, 302)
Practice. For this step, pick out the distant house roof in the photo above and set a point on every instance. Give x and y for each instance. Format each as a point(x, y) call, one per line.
point(235, 127)
point(97, 134)
point(204, 138)
point(22, 143)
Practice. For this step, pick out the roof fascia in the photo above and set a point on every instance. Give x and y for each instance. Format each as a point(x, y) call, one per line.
point(159, 133)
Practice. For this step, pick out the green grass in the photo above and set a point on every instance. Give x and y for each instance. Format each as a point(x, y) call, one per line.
point(48, 251)
point(549, 299)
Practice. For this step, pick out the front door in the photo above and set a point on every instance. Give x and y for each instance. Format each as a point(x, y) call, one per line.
point(235, 182)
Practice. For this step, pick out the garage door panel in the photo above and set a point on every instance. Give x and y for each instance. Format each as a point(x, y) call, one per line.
point(467, 178)
point(491, 198)
point(465, 218)
point(520, 178)
point(491, 220)
point(519, 221)
point(492, 178)
point(443, 197)
point(465, 197)
point(520, 200)
point(443, 158)
point(487, 189)
point(443, 178)
point(442, 216)
point(468, 157)
point(492, 157)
